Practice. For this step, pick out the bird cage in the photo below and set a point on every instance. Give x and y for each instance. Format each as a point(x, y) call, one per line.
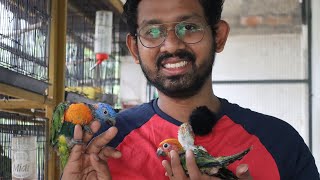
point(14, 126)
point(102, 82)
point(24, 38)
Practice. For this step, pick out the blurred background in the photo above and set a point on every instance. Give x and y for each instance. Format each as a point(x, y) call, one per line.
point(57, 50)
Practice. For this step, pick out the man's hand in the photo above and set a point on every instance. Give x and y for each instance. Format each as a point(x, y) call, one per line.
point(175, 171)
point(90, 161)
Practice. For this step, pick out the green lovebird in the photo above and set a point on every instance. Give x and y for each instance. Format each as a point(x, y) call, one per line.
point(207, 164)
point(67, 115)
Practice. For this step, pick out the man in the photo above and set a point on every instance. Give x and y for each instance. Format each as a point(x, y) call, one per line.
point(175, 42)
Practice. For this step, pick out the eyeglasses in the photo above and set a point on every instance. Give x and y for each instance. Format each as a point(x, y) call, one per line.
point(153, 35)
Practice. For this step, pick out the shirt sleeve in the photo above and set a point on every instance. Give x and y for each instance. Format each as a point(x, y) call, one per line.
point(305, 165)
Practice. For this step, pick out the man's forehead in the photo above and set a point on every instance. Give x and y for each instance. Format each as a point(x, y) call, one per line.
point(189, 18)
point(161, 11)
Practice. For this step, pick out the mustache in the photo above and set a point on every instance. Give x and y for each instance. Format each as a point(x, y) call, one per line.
point(182, 54)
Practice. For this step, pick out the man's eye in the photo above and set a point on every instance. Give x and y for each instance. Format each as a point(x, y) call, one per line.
point(153, 33)
point(189, 27)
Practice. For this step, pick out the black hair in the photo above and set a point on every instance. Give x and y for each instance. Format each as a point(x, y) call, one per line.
point(212, 10)
point(130, 15)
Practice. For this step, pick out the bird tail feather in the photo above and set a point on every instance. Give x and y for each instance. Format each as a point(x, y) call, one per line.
point(226, 160)
point(63, 151)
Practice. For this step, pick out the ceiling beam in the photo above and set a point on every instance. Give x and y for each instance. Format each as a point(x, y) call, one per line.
point(115, 5)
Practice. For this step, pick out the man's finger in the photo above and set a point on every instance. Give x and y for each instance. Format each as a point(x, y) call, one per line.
point(177, 170)
point(77, 149)
point(101, 168)
point(242, 172)
point(108, 152)
point(100, 141)
point(168, 168)
point(192, 167)
point(95, 126)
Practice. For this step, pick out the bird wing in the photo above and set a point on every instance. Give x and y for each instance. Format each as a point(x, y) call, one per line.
point(226, 160)
point(57, 121)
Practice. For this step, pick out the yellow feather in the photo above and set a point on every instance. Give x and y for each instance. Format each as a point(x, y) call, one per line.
point(63, 150)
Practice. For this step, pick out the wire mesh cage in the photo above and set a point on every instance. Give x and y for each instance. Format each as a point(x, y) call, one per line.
point(102, 82)
point(14, 125)
point(24, 37)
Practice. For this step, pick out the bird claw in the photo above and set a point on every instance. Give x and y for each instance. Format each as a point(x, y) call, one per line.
point(88, 129)
point(76, 142)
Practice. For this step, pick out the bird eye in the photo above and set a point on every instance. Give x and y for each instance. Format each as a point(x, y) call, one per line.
point(166, 145)
point(105, 112)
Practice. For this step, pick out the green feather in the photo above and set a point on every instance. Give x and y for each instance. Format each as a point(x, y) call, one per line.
point(57, 121)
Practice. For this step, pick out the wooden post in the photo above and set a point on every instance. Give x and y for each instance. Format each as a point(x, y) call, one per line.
point(57, 57)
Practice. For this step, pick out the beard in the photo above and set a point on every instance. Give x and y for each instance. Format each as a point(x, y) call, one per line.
point(180, 86)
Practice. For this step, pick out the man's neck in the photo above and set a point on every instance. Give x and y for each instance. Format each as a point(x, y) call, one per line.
point(180, 108)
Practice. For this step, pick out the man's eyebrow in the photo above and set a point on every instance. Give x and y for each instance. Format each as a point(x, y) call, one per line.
point(151, 21)
point(191, 16)
point(178, 19)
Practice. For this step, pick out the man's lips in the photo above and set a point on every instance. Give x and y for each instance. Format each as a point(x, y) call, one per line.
point(175, 66)
point(173, 60)
point(174, 63)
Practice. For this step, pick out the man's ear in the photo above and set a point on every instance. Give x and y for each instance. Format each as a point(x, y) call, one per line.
point(221, 35)
point(133, 47)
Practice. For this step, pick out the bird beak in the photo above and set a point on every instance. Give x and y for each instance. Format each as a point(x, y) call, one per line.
point(111, 121)
point(160, 152)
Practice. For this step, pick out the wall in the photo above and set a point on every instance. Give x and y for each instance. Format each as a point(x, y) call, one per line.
point(316, 79)
point(133, 84)
point(266, 57)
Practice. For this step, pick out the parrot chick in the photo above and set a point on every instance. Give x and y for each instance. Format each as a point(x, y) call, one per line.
point(213, 166)
point(207, 164)
point(67, 115)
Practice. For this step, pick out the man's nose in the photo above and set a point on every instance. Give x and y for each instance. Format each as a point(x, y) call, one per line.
point(172, 42)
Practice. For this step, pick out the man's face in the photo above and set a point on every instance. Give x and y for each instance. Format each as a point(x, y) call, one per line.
point(175, 68)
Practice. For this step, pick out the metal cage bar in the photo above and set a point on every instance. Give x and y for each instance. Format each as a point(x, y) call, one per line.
point(24, 37)
point(12, 125)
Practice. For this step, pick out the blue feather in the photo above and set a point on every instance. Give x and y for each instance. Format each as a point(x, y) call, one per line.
point(105, 113)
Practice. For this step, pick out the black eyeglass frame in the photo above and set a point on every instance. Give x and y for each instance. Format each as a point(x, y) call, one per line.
point(203, 27)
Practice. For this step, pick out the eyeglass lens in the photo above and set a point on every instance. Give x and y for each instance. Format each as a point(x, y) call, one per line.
point(155, 34)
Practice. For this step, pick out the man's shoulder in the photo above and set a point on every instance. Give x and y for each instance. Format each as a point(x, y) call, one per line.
point(257, 123)
point(145, 109)
point(131, 119)
point(280, 139)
